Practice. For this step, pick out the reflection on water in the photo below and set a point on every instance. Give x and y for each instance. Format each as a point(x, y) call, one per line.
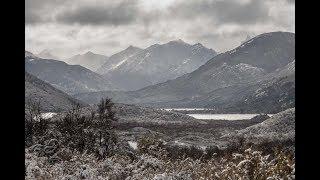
point(223, 116)
point(186, 109)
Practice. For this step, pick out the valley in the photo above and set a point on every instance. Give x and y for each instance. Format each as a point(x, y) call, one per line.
point(165, 104)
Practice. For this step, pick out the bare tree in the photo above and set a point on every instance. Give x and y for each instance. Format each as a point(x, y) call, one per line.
point(106, 117)
point(35, 125)
point(33, 110)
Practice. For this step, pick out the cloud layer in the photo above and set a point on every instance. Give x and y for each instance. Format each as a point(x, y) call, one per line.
point(68, 27)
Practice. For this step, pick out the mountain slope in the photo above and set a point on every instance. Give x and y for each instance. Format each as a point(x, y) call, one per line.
point(68, 78)
point(118, 58)
point(279, 128)
point(158, 63)
point(273, 93)
point(88, 60)
point(225, 80)
point(51, 99)
point(280, 123)
point(247, 63)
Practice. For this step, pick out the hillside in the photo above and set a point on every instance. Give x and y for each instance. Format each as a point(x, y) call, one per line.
point(68, 78)
point(117, 59)
point(280, 127)
point(51, 99)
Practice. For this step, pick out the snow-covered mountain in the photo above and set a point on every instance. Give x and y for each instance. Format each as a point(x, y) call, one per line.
point(265, 61)
point(117, 59)
point(46, 54)
point(68, 78)
point(157, 63)
point(89, 60)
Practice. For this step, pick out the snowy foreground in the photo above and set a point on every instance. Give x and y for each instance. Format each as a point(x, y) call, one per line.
point(154, 164)
point(255, 149)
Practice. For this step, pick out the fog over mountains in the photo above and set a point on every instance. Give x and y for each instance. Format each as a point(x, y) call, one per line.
point(264, 64)
point(88, 60)
point(46, 54)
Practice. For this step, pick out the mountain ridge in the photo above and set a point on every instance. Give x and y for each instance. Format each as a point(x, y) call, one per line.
point(68, 78)
point(88, 60)
point(247, 65)
point(50, 98)
point(158, 63)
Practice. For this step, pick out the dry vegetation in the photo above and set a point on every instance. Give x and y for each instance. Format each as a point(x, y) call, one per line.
point(80, 147)
point(153, 162)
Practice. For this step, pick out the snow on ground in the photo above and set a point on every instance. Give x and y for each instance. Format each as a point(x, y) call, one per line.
point(48, 115)
point(186, 109)
point(118, 64)
point(133, 144)
point(224, 116)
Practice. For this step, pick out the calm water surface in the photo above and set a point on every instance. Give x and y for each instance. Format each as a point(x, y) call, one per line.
point(223, 116)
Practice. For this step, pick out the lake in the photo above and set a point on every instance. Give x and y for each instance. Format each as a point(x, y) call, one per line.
point(195, 112)
point(186, 109)
point(223, 116)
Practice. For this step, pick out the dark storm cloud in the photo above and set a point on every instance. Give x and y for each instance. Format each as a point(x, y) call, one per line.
point(116, 14)
point(230, 11)
point(32, 18)
point(291, 1)
point(80, 12)
point(74, 26)
point(39, 11)
point(125, 12)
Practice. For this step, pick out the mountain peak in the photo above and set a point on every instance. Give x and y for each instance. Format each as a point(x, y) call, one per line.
point(132, 48)
point(89, 53)
point(29, 54)
point(46, 54)
point(178, 41)
point(198, 45)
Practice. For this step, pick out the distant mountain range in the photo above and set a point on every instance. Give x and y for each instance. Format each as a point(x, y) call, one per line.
point(88, 60)
point(46, 54)
point(135, 68)
point(261, 70)
point(68, 78)
point(50, 98)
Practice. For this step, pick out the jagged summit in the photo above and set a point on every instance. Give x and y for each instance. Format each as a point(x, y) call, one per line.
point(157, 63)
point(197, 44)
point(226, 80)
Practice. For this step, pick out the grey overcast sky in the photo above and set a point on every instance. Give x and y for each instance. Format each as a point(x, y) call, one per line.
point(69, 27)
